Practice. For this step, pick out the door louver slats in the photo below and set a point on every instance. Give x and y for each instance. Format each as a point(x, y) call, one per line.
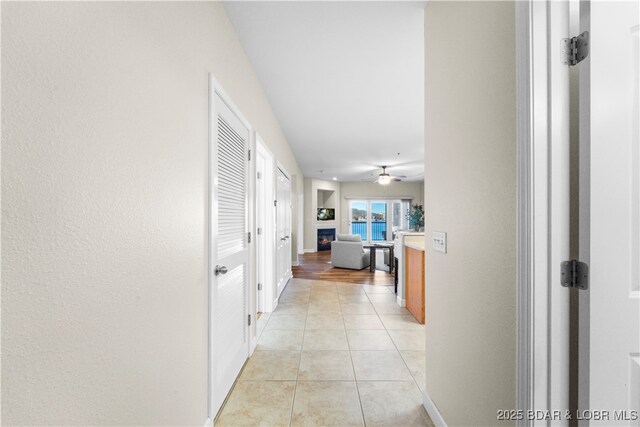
point(231, 190)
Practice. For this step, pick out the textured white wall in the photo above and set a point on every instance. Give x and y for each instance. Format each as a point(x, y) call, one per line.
point(104, 195)
point(470, 192)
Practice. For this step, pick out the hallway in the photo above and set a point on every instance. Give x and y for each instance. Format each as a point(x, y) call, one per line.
point(332, 354)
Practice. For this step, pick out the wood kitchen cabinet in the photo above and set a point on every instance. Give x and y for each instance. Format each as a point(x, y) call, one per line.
point(414, 280)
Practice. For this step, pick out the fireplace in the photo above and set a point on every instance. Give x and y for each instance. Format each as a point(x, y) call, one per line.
point(325, 237)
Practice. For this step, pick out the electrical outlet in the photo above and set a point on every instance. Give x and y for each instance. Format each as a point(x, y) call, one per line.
point(440, 241)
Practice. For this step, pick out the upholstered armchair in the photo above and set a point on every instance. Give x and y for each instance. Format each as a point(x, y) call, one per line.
point(347, 252)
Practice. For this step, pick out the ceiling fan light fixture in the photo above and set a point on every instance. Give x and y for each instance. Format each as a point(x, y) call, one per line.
point(384, 179)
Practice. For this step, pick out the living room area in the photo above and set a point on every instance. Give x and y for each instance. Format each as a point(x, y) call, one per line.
point(351, 229)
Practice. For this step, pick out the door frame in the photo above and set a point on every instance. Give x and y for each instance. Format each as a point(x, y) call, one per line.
point(216, 88)
point(542, 374)
point(268, 232)
point(280, 167)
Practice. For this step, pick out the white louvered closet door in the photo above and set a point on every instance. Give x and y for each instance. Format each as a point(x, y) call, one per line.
point(229, 248)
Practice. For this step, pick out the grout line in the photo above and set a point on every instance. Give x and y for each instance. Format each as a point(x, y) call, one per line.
point(355, 378)
point(295, 390)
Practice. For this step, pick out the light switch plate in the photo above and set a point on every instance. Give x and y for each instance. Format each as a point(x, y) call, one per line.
point(440, 241)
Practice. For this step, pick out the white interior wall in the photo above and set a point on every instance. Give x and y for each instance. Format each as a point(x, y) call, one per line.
point(311, 187)
point(470, 193)
point(104, 206)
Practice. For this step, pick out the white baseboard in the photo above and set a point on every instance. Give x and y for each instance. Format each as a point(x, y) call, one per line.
point(401, 302)
point(295, 263)
point(310, 251)
point(208, 423)
point(433, 412)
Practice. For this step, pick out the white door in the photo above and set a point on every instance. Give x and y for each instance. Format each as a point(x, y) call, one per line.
point(283, 235)
point(261, 226)
point(229, 249)
point(610, 208)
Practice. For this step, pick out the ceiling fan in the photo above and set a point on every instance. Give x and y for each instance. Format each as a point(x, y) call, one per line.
point(385, 179)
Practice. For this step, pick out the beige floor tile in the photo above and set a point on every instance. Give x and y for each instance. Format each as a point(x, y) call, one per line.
point(290, 308)
point(325, 339)
point(362, 339)
point(325, 365)
point(389, 308)
point(382, 298)
point(323, 297)
point(362, 321)
point(322, 284)
point(297, 297)
point(280, 339)
point(325, 307)
point(408, 340)
point(416, 362)
point(286, 321)
point(379, 365)
point(350, 289)
point(296, 283)
point(325, 321)
point(401, 321)
point(271, 365)
point(392, 403)
point(258, 403)
point(356, 297)
point(262, 322)
point(296, 288)
point(372, 289)
point(327, 403)
point(357, 308)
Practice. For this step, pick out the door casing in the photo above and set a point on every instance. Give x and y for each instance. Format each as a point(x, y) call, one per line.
point(216, 88)
point(267, 236)
point(543, 206)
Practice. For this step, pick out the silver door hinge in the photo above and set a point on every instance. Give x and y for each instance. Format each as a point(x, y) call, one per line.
point(275, 203)
point(259, 231)
point(249, 320)
point(249, 237)
point(249, 155)
point(259, 175)
point(574, 274)
point(575, 49)
point(259, 286)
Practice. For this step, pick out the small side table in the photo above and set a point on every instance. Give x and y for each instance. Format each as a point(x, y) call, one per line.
point(372, 255)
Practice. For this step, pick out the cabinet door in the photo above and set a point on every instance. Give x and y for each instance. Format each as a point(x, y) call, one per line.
point(414, 282)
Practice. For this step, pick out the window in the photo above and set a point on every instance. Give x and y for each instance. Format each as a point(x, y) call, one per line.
point(378, 220)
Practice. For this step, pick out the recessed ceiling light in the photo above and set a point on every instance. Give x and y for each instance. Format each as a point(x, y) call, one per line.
point(335, 179)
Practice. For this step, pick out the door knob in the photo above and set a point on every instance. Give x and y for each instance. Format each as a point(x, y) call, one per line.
point(220, 269)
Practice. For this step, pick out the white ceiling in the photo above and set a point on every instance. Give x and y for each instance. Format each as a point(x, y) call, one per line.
point(345, 79)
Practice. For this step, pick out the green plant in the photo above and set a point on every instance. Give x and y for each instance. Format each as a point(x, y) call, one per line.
point(416, 217)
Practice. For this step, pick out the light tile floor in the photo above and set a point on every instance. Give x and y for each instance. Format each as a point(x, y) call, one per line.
point(332, 354)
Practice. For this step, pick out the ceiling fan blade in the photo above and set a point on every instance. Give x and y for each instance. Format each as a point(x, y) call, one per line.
point(396, 179)
point(399, 176)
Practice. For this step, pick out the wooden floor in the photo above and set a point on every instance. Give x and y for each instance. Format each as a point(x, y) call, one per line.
point(317, 266)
